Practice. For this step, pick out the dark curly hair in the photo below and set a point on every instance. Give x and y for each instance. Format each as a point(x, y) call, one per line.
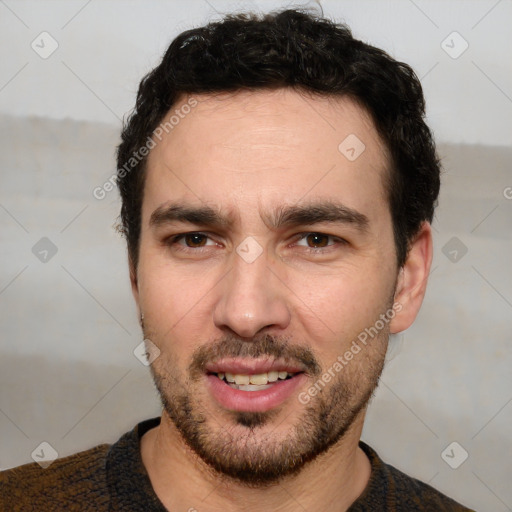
point(300, 50)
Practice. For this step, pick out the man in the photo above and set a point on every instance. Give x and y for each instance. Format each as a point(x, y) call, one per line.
point(278, 182)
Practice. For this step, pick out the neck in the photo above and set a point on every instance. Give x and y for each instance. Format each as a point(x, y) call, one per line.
point(182, 481)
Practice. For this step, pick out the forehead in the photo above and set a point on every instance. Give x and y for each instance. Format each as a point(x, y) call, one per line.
point(258, 149)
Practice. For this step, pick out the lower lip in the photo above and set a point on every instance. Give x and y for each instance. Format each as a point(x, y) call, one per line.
point(253, 401)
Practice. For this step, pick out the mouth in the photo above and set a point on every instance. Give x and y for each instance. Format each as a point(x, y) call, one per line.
point(253, 386)
point(256, 382)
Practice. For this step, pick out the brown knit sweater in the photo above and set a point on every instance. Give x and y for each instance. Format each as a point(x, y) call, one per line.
point(113, 478)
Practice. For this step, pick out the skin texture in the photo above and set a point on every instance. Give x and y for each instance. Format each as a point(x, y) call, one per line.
point(249, 155)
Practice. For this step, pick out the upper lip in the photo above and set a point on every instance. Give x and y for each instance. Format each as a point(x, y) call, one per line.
point(251, 366)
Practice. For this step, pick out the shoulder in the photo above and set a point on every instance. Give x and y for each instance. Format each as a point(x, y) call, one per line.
point(67, 484)
point(394, 491)
point(413, 494)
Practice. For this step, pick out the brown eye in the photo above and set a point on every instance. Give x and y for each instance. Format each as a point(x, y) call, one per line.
point(317, 240)
point(195, 239)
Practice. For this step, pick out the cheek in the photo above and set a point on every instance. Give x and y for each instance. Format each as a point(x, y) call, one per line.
point(347, 297)
point(333, 311)
point(177, 309)
point(168, 298)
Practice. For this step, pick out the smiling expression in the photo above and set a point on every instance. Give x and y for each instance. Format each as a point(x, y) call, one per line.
point(264, 252)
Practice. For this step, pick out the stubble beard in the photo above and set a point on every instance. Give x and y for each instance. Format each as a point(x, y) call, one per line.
point(245, 446)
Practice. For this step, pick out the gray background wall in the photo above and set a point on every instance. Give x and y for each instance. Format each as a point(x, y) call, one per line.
point(68, 375)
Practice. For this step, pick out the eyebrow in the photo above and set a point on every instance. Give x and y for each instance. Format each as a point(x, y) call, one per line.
point(202, 215)
point(284, 216)
point(318, 212)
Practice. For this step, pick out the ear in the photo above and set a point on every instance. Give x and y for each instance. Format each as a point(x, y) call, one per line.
point(412, 280)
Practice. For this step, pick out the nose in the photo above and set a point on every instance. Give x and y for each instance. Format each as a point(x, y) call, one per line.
point(251, 298)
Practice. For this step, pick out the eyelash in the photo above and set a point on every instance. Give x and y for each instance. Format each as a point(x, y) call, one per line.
point(174, 242)
point(335, 239)
point(176, 238)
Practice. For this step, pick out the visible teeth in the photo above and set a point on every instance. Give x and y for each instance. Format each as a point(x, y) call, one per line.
point(251, 387)
point(242, 379)
point(273, 376)
point(260, 379)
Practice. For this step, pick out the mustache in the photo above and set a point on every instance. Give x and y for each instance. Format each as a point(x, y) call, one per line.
point(266, 345)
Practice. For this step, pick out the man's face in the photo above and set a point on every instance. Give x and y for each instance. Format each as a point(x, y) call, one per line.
point(265, 250)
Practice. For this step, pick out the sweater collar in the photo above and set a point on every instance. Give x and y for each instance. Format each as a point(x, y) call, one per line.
point(131, 489)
